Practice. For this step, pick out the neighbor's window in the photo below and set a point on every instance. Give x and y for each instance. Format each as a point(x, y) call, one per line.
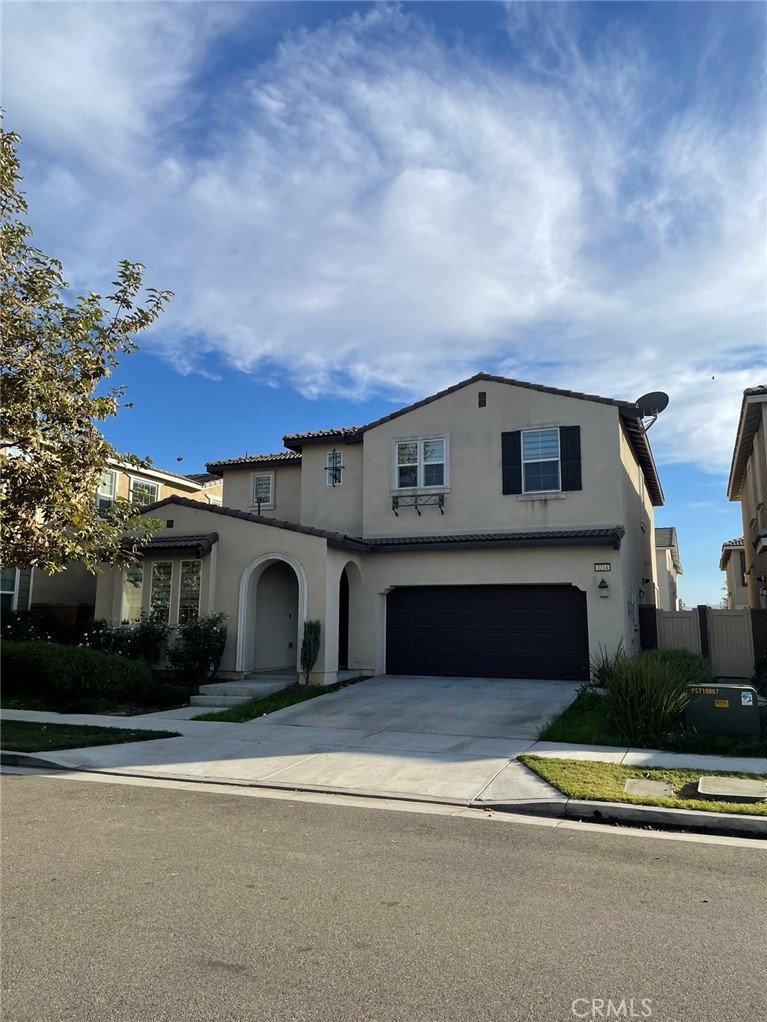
point(133, 584)
point(189, 598)
point(335, 468)
point(105, 495)
point(263, 489)
point(420, 463)
point(159, 600)
point(540, 460)
point(8, 589)
point(143, 492)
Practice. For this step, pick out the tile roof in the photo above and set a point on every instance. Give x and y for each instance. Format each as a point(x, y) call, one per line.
point(748, 423)
point(200, 545)
point(665, 536)
point(610, 535)
point(264, 460)
point(204, 478)
point(734, 542)
point(346, 433)
point(335, 539)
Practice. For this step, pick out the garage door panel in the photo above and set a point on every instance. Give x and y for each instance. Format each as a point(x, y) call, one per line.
point(488, 631)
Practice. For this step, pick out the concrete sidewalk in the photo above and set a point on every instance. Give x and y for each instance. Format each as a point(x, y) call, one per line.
point(436, 767)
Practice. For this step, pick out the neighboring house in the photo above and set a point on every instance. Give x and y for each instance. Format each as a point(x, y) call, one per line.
point(748, 484)
point(733, 563)
point(76, 587)
point(669, 568)
point(496, 529)
point(15, 589)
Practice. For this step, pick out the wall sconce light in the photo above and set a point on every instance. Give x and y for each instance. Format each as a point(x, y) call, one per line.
point(603, 588)
point(641, 594)
point(761, 578)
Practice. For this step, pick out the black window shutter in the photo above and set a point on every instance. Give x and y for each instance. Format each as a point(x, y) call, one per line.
point(570, 457)
point(511, 461)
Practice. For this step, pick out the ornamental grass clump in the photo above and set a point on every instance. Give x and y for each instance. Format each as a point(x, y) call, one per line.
point(646, 698)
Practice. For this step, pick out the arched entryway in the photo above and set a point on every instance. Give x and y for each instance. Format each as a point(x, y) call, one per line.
point(272, 612)
point(349, 586)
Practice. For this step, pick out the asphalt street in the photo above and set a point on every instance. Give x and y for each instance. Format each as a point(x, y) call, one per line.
point(141, 904)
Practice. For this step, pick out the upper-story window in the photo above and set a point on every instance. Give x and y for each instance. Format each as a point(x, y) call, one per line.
point(335, 468)
point(143, 492)
point(420, 463)
point(107, 491)
point(540, 460)
point(263, 490)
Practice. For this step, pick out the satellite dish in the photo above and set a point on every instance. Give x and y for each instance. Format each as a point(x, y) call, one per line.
point(650, 406)
point(653, 403)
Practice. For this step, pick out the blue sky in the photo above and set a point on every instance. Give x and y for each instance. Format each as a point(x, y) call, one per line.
point(358, 204)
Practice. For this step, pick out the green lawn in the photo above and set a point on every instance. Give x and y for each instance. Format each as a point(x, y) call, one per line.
point(34, 736)
point(278, 701)
point(585, 722)
point(604, 782)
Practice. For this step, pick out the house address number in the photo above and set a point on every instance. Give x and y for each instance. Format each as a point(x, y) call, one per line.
point(602, 567)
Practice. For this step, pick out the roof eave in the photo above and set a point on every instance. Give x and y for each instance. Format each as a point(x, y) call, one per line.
point(748, 423)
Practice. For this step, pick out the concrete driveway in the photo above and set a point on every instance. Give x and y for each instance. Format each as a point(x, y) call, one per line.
point(469, 707)
point(438, 739)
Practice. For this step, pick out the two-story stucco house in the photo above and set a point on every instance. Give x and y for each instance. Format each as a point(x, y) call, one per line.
point(496, 529)
point(748, 484)
point(668, 567)
point(733, 563)
point(75, 587)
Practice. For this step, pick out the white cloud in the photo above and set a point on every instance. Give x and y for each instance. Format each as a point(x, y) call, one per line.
point(373, 210)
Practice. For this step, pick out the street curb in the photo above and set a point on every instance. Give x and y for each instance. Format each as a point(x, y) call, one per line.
point(693, 820)
point(24, 759)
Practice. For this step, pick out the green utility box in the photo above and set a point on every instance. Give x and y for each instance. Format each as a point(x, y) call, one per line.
point(723, 709)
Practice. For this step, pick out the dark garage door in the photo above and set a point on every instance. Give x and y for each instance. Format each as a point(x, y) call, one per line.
point(488, 631)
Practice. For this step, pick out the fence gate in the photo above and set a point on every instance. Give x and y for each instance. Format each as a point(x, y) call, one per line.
point(678, 629)
point(731, 643)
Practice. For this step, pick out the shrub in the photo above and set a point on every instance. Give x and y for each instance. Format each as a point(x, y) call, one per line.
point(646, 697)
point(62, 674)
point(146, 640)
point(310, 646)
point(696, 669)
point(199, 647)
point(602, 663)
point(21, 626)
point(760, 675)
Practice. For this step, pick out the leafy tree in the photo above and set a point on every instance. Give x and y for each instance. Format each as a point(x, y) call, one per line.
point(56, 354)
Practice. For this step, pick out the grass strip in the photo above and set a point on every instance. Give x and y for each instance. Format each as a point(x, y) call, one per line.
point(585, 722)
point(604, 782)
point(278, 701)
point(35, 736)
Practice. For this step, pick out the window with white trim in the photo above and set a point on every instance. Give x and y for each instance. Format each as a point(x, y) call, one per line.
point(335, 468)
point(420, 463)
point(133, 589)
point(107, 490)
point(189, 595)
point(159, 597)
point(9, 589)
point(143, 492)
point(263, 490)
point(540, 461)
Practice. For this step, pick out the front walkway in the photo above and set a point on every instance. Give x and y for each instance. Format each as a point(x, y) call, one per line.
point(381, 737)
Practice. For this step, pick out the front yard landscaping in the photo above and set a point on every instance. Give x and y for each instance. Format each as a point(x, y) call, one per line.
point(34, 736)
point(605, 782)
point(586, 722)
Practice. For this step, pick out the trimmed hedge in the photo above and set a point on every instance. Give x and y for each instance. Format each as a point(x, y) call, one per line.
point(61, 674)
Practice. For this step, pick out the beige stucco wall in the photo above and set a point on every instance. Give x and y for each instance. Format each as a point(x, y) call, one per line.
point(638, 558)
point(753, 499)
point(666, 580)
point(737, 590)
point(335, 508)
point(238, 490)
point(474, 500)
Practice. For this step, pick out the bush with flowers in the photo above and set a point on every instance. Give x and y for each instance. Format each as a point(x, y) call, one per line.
point(199, 647)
